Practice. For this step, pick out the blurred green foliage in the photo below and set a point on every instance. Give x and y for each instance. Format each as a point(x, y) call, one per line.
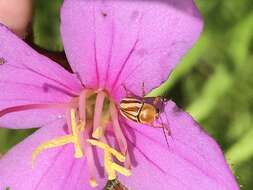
point(213, 82)
point(46, 15)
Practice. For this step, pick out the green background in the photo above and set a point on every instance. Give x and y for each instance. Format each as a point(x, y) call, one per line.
point(213, 82)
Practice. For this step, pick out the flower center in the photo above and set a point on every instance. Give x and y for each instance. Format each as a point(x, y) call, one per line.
point(88, 117)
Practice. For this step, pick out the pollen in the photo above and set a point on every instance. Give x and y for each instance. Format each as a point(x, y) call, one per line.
point(93, 182)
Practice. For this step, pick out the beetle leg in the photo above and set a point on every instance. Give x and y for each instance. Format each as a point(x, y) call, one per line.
point(164, 126)
point(166, 131)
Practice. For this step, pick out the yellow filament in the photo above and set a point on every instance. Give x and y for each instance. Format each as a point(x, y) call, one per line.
point(73, 138)
point(111, 167)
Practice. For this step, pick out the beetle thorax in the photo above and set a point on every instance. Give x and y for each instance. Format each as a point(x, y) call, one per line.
point(148, 114)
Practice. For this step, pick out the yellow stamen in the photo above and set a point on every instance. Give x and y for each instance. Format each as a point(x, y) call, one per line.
point(108, 162)
point(73, 138)
point(106, 147)
point(111, 167)
point(76, 129)
point(121, 169)
point(50, 144)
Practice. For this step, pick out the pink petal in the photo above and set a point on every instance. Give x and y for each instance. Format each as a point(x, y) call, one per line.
point(27, 77)
point(55, 169)
point(110, 43)
point(192, 161)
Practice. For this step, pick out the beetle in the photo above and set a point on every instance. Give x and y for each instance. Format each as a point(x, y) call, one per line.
point(144, 110)
point(114, 184)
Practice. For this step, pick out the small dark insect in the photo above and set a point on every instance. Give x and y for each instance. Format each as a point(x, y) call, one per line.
point(7, 188)
point(144, 110)
point(2, 61)
point(104, 14)
point(114, 185)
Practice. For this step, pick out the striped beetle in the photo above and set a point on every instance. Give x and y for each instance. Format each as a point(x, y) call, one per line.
point(114, 185)
point(144, 110)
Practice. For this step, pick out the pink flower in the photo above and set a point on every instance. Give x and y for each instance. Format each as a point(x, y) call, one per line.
point(83, 140)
